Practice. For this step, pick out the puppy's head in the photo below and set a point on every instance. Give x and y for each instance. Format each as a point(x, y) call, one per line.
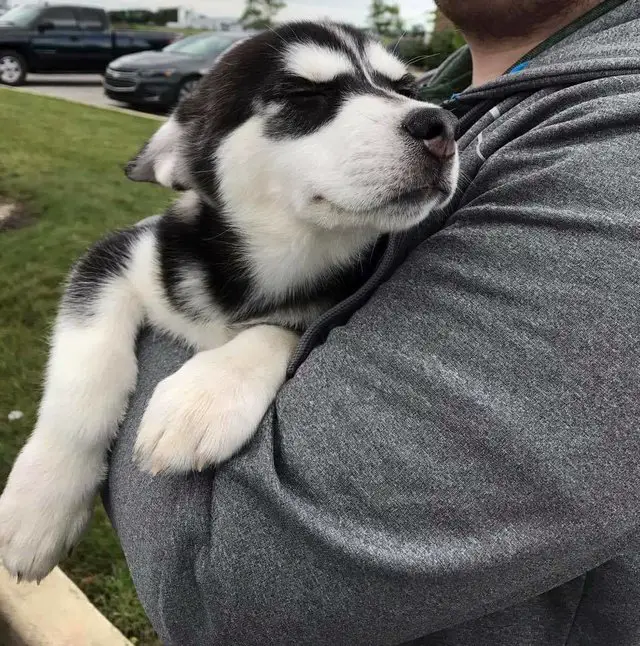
point(315, 121)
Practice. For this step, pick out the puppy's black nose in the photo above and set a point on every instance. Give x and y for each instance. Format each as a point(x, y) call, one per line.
point(435, 127)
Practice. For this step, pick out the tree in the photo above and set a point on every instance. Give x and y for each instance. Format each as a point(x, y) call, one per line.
point(417, 31)
point(428, 52)
point(385, 18)
point(259, 14)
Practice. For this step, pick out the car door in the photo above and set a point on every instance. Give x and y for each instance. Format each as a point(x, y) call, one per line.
point(56, 43)
point(95, 39)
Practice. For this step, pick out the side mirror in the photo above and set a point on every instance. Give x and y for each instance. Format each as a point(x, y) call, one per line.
point(47, 25)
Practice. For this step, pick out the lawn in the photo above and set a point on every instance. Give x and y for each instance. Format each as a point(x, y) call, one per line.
point(185, 31)
point(64, 162)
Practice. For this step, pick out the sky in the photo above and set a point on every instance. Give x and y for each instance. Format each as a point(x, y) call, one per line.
point(354, 11)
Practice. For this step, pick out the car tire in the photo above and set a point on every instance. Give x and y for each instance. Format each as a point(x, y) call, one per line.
point(13, 68)
point(187, 87)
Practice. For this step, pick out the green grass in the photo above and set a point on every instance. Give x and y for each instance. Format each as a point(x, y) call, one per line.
point(64, 161)
point(185, 31)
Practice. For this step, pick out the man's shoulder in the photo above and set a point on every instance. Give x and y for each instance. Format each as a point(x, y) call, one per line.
point(555, 122)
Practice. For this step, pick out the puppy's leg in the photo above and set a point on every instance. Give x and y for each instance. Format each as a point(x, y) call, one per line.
point(206, 411)
point(48, 498)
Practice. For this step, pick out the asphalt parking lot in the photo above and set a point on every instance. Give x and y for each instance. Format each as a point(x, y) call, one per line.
point(85, 88)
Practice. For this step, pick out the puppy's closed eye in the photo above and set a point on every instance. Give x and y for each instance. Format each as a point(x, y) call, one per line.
point(303, 92)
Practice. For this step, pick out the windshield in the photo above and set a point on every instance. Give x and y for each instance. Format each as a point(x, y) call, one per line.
point(21, 16)
point(203, 44)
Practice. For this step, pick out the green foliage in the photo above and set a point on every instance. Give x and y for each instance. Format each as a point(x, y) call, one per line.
point(385, 18)
point(428, 56)
point(447, 41)
point(64, 163)
point(259, 14)
point(417, 31)
point(143, 17)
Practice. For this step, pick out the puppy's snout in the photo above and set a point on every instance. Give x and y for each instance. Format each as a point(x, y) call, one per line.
point(436, 128)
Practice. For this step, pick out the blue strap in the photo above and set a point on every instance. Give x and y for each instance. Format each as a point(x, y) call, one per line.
point(519, 67)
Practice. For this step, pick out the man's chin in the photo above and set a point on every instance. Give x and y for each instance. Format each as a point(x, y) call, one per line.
point(503, 19)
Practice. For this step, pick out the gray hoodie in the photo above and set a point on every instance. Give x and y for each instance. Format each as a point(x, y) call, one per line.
point(458, 461)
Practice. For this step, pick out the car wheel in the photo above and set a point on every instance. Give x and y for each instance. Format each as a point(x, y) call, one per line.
point(187, 88)
point(13, 68)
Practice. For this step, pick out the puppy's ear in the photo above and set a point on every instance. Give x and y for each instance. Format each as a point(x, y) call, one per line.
point(161, 159)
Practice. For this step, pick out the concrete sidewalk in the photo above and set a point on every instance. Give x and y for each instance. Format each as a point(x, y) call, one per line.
point(115, 108)
point(84, 88)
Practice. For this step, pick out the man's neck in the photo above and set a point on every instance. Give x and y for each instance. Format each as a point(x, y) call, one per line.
point(491, 57)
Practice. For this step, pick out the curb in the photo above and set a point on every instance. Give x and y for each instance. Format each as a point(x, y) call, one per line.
point(54, 613)
point(113, 108)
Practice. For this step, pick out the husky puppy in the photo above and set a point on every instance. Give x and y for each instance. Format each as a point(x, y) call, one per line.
point(301, 147)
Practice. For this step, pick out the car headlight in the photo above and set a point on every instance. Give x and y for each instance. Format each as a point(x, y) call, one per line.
point(166, 73)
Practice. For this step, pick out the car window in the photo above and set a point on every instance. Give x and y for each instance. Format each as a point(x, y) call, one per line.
point(203, 44)
point(21, 16)
point(91, 19)
point(60, 17)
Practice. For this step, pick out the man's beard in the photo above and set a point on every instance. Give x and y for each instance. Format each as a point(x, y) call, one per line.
point(502, 19)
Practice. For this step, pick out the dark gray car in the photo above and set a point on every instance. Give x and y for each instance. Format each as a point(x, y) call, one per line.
point(165, 77)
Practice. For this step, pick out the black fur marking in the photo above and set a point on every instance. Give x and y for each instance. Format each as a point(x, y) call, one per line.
point(251, 75)
point(209, 245)
point(246, 80)
point(406, 86)
point(105, 260)
point(306, 106)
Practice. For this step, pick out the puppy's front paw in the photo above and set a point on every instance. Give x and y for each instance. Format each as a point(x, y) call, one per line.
point(202, 414)
point(37, 527)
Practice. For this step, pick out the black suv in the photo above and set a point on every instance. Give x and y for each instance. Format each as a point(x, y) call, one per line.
point(65, 39)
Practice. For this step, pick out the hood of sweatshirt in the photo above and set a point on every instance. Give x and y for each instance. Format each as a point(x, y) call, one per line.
point(599, 52)
point(603, 42)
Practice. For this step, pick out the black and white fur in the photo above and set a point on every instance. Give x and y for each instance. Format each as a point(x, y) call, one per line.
point(299, 149)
